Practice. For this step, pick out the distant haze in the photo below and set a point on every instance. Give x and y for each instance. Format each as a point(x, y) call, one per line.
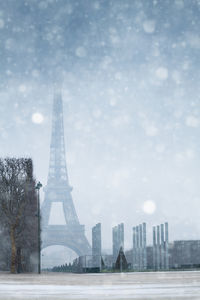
point(129, 72)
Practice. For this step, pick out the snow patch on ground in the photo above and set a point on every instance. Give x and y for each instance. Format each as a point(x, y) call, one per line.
point(142, 291)
point(143, 286)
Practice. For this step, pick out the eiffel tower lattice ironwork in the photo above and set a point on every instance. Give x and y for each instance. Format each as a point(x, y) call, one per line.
point(58, 190)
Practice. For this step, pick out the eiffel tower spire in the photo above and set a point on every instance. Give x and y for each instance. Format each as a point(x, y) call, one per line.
point(71, 234)
point(57, 165)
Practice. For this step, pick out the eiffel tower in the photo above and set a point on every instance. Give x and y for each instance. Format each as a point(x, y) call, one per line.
point(71, 234)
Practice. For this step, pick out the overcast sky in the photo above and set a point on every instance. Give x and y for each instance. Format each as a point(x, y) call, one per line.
point(130, 72)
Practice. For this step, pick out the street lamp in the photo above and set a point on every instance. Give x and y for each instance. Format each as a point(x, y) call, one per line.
point(38, 186)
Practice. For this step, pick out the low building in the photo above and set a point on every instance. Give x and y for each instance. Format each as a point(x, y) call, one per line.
point(185, 254)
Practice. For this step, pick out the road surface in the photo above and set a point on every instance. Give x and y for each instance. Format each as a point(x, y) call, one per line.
point(124, 286)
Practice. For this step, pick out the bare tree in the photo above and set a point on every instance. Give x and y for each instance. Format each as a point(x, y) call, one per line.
point(17, 203)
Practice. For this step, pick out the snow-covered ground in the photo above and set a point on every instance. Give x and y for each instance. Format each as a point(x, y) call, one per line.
point(169, 285)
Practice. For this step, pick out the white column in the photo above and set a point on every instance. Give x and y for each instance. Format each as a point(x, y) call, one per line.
point(154, 247)
point(140, 249)
point(134, 248)
point(162, 250)
point(166, 247)
point(137, 247)
point(158, 248)
point(144, 246)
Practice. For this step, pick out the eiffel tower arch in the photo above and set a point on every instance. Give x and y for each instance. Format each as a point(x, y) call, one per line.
point(72, 233)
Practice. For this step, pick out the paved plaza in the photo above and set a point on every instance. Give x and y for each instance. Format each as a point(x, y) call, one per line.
point(60, 286)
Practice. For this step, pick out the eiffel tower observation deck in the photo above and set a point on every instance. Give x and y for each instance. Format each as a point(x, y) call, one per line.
point(58, 191)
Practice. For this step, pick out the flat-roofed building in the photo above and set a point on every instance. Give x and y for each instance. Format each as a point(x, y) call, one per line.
point(185, 254)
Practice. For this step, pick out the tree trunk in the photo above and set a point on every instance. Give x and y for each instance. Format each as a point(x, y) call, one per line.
point(19, 261)
point(13, 250)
